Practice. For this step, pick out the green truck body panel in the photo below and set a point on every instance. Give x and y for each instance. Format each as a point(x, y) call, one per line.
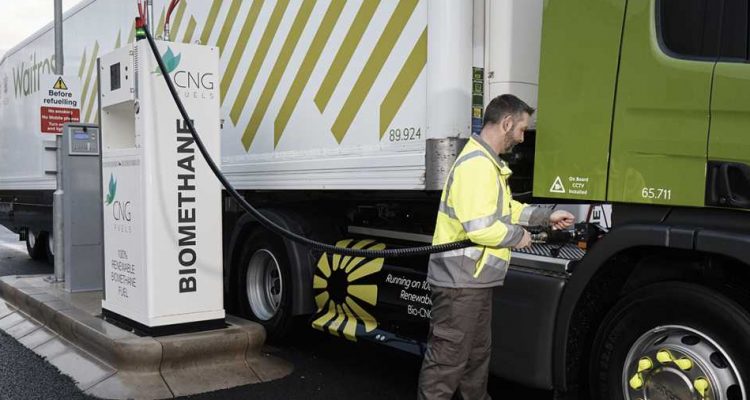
point(576, 106)
point(730, 113)
point(660, 133)
point(649, 140)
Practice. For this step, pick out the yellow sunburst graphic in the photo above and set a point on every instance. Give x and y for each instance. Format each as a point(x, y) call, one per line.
point(345, 288)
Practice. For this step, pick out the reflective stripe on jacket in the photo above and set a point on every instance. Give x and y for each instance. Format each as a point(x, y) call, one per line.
point(477, 204)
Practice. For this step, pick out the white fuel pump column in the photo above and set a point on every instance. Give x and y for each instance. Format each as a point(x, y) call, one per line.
point(162, 204)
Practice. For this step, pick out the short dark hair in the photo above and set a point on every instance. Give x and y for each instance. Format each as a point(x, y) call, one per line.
point(503, 105)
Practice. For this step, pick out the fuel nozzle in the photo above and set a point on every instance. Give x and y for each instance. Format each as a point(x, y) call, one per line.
point(551, 236)
point(540, 237)
point(582, 234)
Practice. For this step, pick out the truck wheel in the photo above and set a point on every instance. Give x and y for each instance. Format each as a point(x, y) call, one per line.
point(36, 245)
point(672, 341)
point(265, 284)
point(49, 246)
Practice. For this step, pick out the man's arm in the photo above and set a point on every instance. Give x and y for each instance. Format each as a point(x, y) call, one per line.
point(474, 199)
point(526, 215)
point(538, 216)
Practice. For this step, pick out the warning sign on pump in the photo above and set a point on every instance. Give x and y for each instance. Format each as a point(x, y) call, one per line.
point(59, 102)
point(53, 118)
point(60, 84)
point(557, 186)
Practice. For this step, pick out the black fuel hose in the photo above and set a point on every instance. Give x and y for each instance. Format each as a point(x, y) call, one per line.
point(267, 223)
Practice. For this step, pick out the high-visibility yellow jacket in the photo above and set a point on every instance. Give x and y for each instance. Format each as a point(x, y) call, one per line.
point(477, 204)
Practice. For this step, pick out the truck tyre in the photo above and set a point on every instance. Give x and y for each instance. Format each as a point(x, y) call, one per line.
point(264, 284)
point(36, 245)
point(672, 341)
point(49, 246)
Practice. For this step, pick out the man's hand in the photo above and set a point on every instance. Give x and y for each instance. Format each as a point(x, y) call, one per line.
point(561, 219)
point(525, 241)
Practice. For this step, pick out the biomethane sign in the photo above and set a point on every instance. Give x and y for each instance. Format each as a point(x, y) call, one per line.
point(163, 250)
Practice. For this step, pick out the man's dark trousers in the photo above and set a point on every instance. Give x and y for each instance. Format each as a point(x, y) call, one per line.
point(459, 345)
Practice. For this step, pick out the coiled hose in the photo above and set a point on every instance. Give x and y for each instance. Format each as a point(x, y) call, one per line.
point(267, 223)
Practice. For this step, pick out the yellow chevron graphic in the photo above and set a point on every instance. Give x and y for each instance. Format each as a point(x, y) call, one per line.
point(175, 27)
point(190, 31)
point(226, 27)
point(160, 24)
point(346, 51)
point(131, 35)
point(82, 67)
point(303, 15)
point(239, 48)
point(258, 58)
point(213, 13)
point(308, 64)
point(372, 69)
point(89, 73)
point(405, 80)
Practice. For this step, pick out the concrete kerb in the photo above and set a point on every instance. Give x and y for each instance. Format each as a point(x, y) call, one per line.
point(161, 367)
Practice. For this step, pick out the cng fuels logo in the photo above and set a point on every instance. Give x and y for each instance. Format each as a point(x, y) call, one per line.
point(122, 215)
point(345, 287)
point(112, 190)
point(191, 84)
point(171, 62)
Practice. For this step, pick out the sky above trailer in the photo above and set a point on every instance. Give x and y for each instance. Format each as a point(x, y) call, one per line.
point(21, 18)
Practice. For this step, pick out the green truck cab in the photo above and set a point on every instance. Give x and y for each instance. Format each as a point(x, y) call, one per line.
point(645, 104)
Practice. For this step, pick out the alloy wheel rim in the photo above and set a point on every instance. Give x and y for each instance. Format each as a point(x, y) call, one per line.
point(680, 363)
point(264, 286)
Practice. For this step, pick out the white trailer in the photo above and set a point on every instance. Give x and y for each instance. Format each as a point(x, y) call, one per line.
point(341, 119)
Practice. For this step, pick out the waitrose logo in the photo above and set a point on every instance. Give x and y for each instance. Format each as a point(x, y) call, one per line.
point(27, 75)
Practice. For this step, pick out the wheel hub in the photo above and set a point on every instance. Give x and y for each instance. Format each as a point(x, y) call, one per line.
point(264, 284)
point(679, 363)
point(668, 384)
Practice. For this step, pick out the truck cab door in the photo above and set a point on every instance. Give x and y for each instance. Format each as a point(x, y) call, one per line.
point(661, 116)
point(728, 174)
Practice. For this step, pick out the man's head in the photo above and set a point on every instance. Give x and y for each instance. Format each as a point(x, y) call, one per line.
point(505, 121)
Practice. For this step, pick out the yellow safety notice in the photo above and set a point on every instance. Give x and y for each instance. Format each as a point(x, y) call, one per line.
point(60, 84)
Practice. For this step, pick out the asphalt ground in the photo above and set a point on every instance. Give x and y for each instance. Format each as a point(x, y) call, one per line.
point(325, 367)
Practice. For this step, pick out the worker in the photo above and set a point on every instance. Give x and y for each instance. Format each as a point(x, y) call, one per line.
point(476, 204)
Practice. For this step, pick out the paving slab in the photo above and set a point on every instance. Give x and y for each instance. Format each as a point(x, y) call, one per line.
point(23, 328)
point(37, 338)
point(11, 320)
point(109, 362)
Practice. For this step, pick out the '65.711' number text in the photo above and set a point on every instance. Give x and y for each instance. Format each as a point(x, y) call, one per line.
point(656, 193)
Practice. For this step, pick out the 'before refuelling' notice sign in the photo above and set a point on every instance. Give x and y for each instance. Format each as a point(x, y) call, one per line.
point(60, 102)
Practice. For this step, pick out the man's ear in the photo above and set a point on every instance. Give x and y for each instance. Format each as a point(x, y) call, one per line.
point(507, 123)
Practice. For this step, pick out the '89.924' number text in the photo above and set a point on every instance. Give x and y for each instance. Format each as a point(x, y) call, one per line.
point(403, 135)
